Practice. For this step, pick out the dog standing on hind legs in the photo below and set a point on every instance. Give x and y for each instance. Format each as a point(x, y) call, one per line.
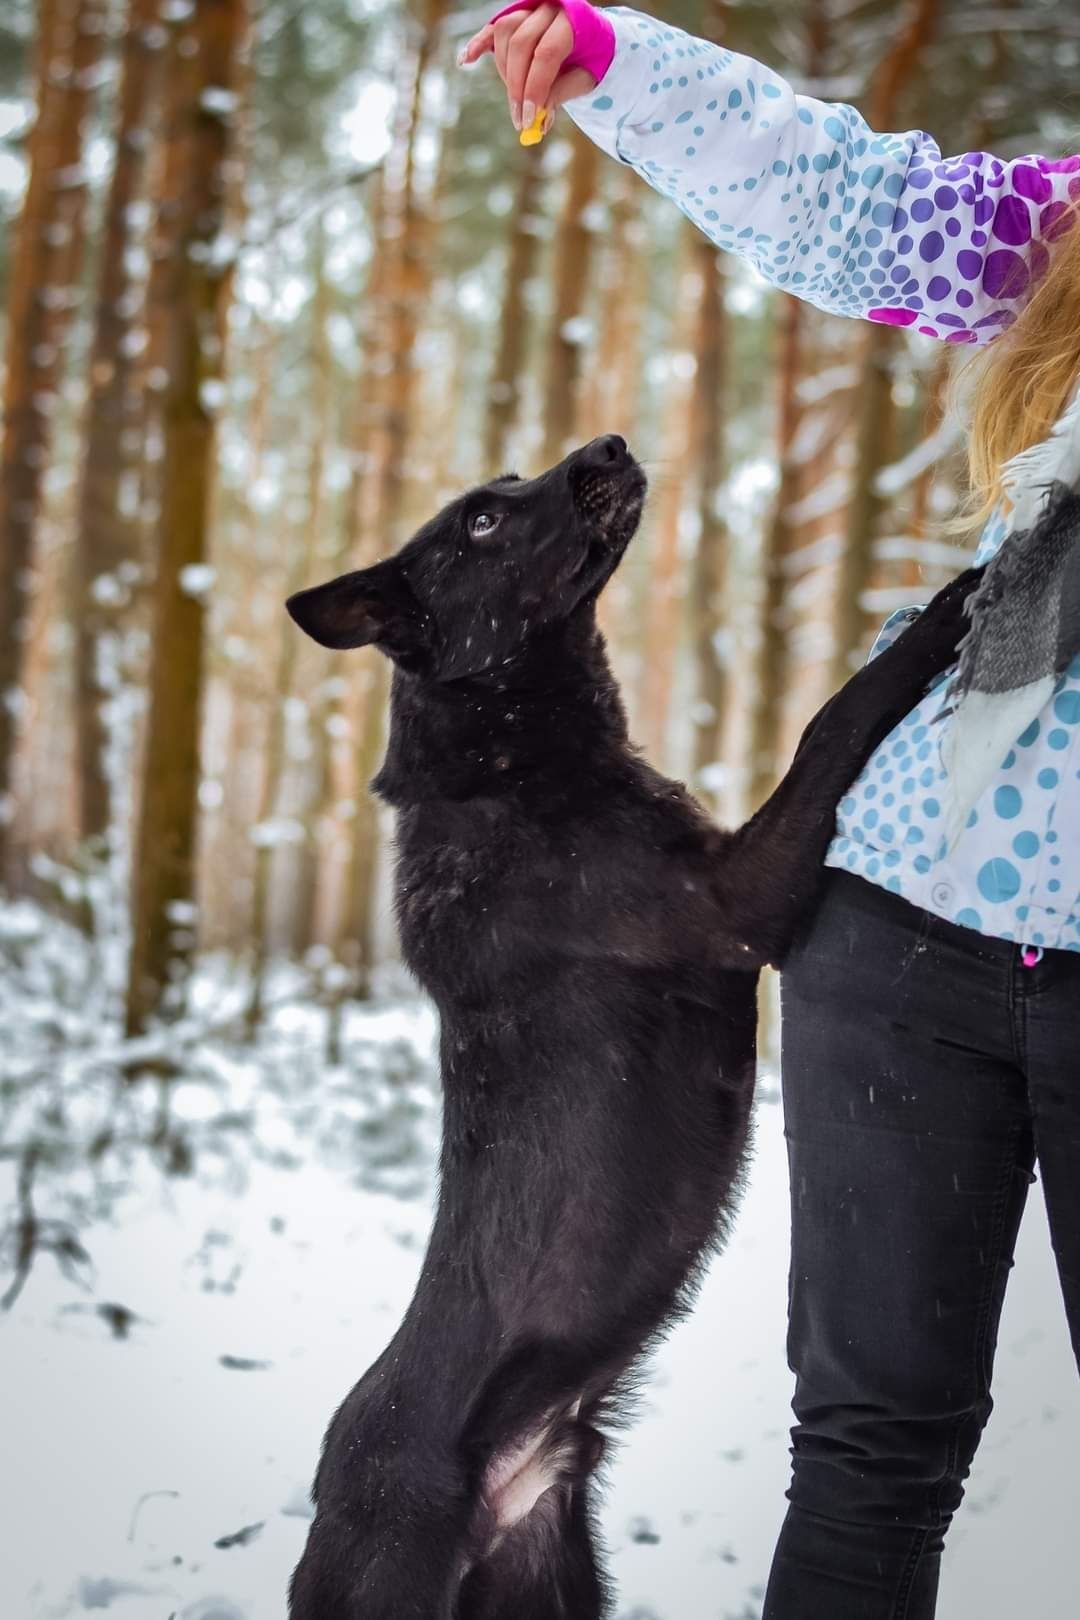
point(592, 943)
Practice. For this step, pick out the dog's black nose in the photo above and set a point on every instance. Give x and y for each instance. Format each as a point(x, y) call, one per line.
point(607, 451)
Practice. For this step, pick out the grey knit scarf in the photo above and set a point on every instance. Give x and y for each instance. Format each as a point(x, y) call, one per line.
point(1025, 620)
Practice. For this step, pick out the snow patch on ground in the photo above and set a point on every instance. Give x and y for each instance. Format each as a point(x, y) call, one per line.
point(165, 1404)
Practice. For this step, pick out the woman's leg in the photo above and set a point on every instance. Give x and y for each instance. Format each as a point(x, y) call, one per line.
point(910, 1146)
point(1048, 1012)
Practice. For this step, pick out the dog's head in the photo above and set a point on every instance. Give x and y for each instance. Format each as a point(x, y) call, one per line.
point(503, 561)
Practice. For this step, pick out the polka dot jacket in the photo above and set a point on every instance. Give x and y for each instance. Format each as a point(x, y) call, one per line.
point(882, 227)
point(860, 224)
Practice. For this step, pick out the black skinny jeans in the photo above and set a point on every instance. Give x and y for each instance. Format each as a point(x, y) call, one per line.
point(925, 1070)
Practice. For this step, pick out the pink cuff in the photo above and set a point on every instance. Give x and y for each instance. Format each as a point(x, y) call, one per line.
point(594, 36)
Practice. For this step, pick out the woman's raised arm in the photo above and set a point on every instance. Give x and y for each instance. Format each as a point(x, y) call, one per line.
point(859, 223)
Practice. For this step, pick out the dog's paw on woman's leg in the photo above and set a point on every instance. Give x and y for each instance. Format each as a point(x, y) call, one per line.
point(935, 635)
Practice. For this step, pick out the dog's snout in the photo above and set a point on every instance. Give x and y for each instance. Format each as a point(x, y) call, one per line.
point(604, 452)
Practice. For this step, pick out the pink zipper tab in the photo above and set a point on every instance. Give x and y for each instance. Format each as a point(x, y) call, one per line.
point(1031, 955)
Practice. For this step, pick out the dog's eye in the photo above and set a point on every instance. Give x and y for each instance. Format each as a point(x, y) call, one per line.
point(482, 524)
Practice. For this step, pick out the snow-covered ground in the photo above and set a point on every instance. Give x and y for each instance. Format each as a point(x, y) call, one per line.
point(157, 1468)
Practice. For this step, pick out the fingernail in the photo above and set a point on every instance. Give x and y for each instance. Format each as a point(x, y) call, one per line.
point(515, 113)
point(462, 55)
point(528, 113)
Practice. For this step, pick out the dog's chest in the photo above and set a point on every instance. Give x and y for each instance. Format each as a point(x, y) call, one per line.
point(452, 874)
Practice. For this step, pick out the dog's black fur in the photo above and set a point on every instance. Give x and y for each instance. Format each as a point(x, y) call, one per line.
point(592, 943)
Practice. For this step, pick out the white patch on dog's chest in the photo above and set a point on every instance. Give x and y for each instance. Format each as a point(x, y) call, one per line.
point(516, 1479)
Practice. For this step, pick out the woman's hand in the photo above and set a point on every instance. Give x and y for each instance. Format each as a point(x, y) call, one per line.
point(530, 48)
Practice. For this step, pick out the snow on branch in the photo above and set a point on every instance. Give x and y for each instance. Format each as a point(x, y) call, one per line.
point(927, 553)
point(891, 480)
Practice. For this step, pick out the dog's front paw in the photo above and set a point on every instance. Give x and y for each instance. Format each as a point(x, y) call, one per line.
point(934, 637)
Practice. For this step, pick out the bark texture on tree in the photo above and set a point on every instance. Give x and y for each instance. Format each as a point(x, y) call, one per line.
point(410, 228)
point(773, 652)
point(336, 705)
point(909, 573)
point(511, 344)
point(708, 578)
point(657, 675)
point(289, 642)
point(571, 265)
point(44, 290)
point(613, 386)
point(107, 540)
point(164, 922)
point(612, 389)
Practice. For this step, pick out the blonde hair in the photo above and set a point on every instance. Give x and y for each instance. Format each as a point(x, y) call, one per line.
point(1023, 380)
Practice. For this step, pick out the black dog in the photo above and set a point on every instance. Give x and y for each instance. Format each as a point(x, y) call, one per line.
point(592, 943)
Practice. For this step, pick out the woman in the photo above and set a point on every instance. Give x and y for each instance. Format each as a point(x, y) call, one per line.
point(932, 1014)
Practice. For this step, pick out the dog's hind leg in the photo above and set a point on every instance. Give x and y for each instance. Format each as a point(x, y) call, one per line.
point(545, 1568)
point(356, 1568)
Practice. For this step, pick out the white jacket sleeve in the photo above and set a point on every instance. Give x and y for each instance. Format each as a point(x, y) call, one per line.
point(879, 226)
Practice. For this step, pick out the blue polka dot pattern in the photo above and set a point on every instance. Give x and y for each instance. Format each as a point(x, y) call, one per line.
point(883, 227)
point(1004, 876)
point(863, 224)
point(1007, 802)
point(999, 880)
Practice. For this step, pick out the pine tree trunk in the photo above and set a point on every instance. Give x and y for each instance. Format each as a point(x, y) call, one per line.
point(323, 425)
point(657, 676)
point(773, 659)
point(163, 935)
point(708, 583)
point(572, 260)
point(411, 225)
point(274, 764)
point(937, 393)
point(876, 431)
point(165, 181)
point(331, 726)
point(773, 656)
point(408, 282)
point(708, 579)
point(504, 388)
point(875, 442)
point(612, 387)
point(359, 945)
point(106, 540)
point(289, 645)
point(43, 295)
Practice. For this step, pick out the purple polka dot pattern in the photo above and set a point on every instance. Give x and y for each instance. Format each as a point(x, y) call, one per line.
point(1006, 274)
point(862, 224)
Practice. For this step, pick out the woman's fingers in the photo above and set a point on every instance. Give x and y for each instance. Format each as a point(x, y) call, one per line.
point(478, 46)
point(529, 48)
point(505, 30)
point(548, 54)
point(527, 44)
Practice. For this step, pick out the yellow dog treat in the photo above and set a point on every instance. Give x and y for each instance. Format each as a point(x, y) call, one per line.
point(536, 130)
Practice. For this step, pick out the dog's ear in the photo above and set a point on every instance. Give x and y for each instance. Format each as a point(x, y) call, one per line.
point(372, 606)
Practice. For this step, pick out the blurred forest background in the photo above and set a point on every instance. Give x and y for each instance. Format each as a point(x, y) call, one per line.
point(278, 280)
